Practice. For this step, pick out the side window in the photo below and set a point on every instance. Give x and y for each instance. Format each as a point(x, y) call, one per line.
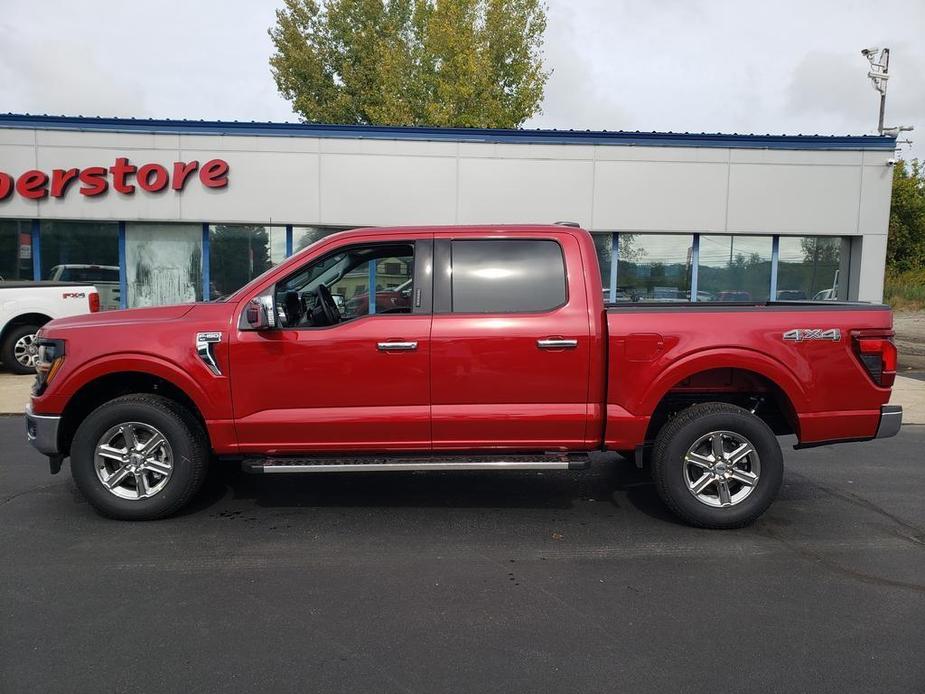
point(357, 281)
point(507, 276)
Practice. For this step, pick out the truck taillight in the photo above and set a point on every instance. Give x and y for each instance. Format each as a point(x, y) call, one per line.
point(94, 298)
point(878, 355)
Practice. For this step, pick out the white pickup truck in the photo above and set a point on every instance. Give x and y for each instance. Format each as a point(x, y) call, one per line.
point(27, 306)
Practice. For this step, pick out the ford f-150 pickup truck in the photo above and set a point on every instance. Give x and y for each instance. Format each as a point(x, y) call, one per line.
point(504, 357)
point(27, 306)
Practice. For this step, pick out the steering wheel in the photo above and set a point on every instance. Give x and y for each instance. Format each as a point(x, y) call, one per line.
point(326, 305)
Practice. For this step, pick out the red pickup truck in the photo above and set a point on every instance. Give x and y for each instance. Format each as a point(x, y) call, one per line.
point(504, 357)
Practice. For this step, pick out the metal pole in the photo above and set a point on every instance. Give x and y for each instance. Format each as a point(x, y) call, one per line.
point(885, 57)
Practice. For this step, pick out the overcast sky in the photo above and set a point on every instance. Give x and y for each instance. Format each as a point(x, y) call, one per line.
point(779, 66)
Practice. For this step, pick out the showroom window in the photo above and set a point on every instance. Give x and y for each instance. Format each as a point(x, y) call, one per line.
point(71, 249)
point(603, 244)
point(238, 253)
point(813, 268)
point(654, 267)
point(734, 268)
point(721, 267)
point(303, 237)
point(15, 249)
point(163, 263)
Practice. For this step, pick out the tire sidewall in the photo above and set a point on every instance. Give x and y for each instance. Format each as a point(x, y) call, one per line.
point(762, 438)
point(178, 435)
point(7, 355)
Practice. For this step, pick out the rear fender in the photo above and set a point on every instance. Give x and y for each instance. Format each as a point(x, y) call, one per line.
point(725, 358)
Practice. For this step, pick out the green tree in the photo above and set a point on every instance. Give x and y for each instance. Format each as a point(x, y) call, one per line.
point(451, 63)
point(906, 242)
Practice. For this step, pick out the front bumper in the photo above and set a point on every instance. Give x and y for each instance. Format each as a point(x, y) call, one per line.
point(42, 432)
point(891, 419)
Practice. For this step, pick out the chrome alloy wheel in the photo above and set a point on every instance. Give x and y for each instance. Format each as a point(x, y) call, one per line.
point(26, 350)
point(721, 469)
point(133, 460)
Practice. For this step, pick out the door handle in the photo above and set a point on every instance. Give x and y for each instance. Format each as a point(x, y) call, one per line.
point(397, 346)
point(556, 343)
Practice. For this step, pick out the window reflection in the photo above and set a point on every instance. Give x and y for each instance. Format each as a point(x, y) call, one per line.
point(811, 268)
point(734, 268)
point(654, 267)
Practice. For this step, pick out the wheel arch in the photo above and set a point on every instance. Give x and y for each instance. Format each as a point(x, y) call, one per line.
point(30, 318)
point(100, 388)
point(733, 376)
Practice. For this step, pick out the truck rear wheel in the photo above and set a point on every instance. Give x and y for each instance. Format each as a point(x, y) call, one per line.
point(18, 349)
point(717, 465)
point(139, 457)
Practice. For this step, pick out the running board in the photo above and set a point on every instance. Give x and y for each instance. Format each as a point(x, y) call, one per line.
point(553, 461)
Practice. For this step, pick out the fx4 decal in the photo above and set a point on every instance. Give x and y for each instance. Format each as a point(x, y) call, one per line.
point(73, 295)
point(804, 334)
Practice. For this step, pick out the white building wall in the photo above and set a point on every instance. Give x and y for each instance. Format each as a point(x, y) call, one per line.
point(330, 181)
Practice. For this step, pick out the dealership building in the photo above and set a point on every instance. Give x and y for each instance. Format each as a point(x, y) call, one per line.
point(165, 211)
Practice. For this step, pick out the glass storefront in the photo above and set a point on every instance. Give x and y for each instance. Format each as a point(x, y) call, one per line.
point(654, 267)
point(83, 252)
point(811, 267)
point(15, 249)
point(734, 268)
point(168, 263)
point(239, 253)
point(163, 263)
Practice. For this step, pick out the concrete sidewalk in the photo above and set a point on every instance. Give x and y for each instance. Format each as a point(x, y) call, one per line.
point(908, 392)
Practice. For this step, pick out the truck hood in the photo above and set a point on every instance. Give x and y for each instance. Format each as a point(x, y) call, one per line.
point(124, 317)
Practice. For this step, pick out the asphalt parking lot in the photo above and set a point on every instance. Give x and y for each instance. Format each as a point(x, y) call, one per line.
point(469, 582)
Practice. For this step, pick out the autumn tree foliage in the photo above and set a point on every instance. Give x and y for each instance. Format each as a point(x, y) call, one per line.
point(452, 63)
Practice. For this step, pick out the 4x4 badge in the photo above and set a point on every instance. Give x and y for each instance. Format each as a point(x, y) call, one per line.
point(804, 334)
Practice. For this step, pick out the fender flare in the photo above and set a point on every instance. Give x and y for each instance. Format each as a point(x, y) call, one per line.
point(141, 363)
point(726, 358)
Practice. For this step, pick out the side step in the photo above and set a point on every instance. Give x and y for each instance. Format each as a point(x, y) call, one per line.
point(548, 461)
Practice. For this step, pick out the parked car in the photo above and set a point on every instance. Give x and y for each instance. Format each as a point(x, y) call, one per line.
point(791, 295)
point(104, 277)
point(733, 295)
point(27, 306)
point(505, 359)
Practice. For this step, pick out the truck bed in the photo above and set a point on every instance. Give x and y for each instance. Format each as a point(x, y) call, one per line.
point(800, 354)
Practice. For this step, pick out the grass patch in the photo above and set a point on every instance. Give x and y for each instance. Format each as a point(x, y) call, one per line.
point(905, 291)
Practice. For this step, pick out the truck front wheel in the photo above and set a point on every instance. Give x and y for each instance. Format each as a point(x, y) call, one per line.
point(717, 465)
point(139, 457)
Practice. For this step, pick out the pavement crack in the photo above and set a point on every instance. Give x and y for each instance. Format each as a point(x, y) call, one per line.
point(7, 499)
point(918, 534)
point(812, 555)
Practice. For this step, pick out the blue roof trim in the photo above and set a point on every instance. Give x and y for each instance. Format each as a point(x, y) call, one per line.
point(379, 132)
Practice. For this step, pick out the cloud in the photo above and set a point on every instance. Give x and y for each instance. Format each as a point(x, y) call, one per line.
point(66, 75)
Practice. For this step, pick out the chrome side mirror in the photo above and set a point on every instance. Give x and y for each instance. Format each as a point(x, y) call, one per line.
point(259, 314)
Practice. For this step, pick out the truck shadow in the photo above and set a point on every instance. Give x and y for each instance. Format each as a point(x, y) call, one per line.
point(609, 480)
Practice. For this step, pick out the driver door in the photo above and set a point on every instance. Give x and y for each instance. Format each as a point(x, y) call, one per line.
point(360, 384)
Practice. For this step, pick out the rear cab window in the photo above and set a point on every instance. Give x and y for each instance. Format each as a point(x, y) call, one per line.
point(507, 276)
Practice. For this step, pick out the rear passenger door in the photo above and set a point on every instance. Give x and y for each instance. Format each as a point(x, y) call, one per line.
point(510, 344)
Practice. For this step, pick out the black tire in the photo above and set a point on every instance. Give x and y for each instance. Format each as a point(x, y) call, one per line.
point(7, 353)
point(669, 470)
point(182, 431)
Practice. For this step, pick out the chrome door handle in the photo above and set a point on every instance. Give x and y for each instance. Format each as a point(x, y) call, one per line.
point(397, 346)
point(556, 343)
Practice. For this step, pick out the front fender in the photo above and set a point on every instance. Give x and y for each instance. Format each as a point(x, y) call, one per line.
point(210, 404)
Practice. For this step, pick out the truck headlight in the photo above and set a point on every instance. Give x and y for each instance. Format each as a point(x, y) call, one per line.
point(48, 362)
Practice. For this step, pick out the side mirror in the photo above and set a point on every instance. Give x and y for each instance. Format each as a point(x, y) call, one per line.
point(259, 314)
